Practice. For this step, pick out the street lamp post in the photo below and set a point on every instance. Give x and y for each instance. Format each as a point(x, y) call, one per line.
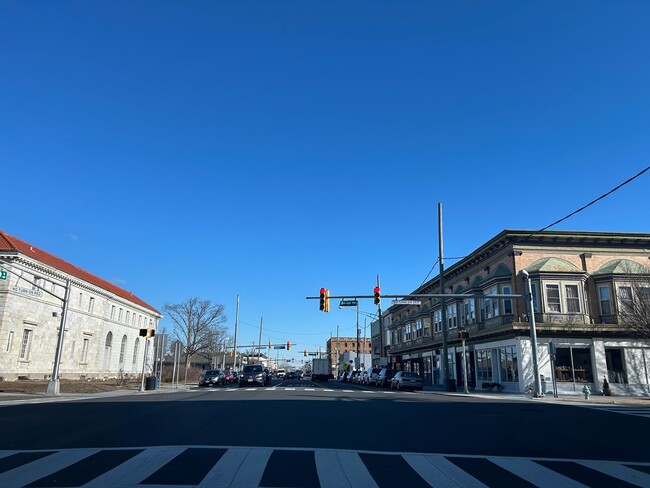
point(533, 336)
point(53, 385)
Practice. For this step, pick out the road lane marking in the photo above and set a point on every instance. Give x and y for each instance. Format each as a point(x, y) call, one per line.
point(138, 468)
point(45, 466)
point(255, 461)
point(616, 470)
point(535, 473)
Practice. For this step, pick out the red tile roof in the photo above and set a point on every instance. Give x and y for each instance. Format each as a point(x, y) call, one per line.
point(12, 243)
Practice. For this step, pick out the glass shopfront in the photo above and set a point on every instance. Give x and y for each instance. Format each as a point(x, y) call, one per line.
point(573, 364)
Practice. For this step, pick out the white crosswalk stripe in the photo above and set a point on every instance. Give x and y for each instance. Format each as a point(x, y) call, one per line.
point(624, 409)
point(247, 467)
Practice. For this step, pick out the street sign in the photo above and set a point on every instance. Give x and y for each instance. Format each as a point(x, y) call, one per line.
point(279, 347)
point(406, 302)
point(348, 303)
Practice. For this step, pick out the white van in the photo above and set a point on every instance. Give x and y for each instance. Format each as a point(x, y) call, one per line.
point(280, 373)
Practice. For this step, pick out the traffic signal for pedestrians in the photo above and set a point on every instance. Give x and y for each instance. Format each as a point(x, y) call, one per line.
point(377, 296)
point(288, 345)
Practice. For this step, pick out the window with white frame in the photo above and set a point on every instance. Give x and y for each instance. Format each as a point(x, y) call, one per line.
point(604, 299)
point(563, 298)
point(469, 312)
point(572, 298)
point(437, 321)
point(26, 344)
point(452, 317)
point(91, 305)
point(112, 312)
point(507, 302)
point(418, 328)
point(625, 303)
point(409, 332)
point(128, 316)
point(427, 327)
point(81, 300)
point(119, 315)
point(553, 302)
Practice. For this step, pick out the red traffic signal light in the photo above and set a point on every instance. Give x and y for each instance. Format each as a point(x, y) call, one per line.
point(305, 353)
point(324, 300)
point(377, 295)
point(288, 345)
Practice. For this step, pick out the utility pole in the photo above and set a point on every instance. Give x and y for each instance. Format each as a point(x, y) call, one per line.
point(444, 363)
point(358, 348)
point(259, 347)
point(234, 349)
point(533, 336)
point(381, 329)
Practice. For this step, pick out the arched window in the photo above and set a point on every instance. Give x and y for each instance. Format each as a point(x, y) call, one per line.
point(122, 353)
point(107, 351)
point(135, 354)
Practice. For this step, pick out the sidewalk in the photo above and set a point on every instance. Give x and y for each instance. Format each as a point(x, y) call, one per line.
point(30, 398)
point(577, 398)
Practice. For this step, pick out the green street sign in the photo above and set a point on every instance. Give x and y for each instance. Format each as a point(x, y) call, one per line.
point(3, 275)
point(348, 303)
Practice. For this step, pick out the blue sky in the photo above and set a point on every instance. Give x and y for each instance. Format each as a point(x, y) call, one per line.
point(267, 149)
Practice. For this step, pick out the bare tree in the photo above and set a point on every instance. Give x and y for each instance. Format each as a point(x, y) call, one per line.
point(634, 301)
point(198, 325)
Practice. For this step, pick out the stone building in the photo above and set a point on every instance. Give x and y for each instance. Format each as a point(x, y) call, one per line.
point(102, 323)
point(583, 283)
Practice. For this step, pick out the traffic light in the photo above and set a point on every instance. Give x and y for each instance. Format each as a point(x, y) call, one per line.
point(304, 353)
point(324, 300)
point(143, 333)
point(288, 345)
point(151, 332)
point(377, 296)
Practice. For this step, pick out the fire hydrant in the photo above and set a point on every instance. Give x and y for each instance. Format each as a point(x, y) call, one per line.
point(586, 391)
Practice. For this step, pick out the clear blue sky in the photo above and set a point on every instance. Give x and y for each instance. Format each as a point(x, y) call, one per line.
point(266, 149)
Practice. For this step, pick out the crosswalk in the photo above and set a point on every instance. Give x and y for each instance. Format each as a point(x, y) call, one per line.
point(623, 409)
point(246, 467)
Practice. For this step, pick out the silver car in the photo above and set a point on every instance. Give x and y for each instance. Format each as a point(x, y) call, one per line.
point(407, 380)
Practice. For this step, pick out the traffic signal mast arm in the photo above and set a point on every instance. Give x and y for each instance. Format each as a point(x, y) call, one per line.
point(428, 295)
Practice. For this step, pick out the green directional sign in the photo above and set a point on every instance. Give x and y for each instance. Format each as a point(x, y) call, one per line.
point(348, 303)
point(3, 274)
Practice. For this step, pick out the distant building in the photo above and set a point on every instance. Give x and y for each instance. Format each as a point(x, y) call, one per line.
point(583, 282)
point(101, 328)
point(337, 346)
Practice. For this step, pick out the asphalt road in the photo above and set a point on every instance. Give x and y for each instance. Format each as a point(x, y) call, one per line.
point(300, 414)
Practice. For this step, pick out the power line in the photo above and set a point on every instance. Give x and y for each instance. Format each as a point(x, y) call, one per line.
point(597, 199)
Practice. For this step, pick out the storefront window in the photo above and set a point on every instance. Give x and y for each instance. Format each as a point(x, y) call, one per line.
point(427, 327)
point(573, 364)
point(484, 365)
point(508, 364)
point(615, 365)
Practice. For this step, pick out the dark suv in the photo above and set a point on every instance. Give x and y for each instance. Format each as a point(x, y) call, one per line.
point(252, 374)
point(212, 377)
point(384, 377)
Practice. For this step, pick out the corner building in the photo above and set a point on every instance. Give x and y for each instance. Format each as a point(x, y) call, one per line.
point(583, 283)
point(101, 329)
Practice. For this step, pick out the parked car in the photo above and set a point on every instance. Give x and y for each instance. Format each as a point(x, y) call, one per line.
point(251, 375)
point(406, 380)
point(384, 377)
point(212, 377)
point(354, 378)
point(370, 375)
